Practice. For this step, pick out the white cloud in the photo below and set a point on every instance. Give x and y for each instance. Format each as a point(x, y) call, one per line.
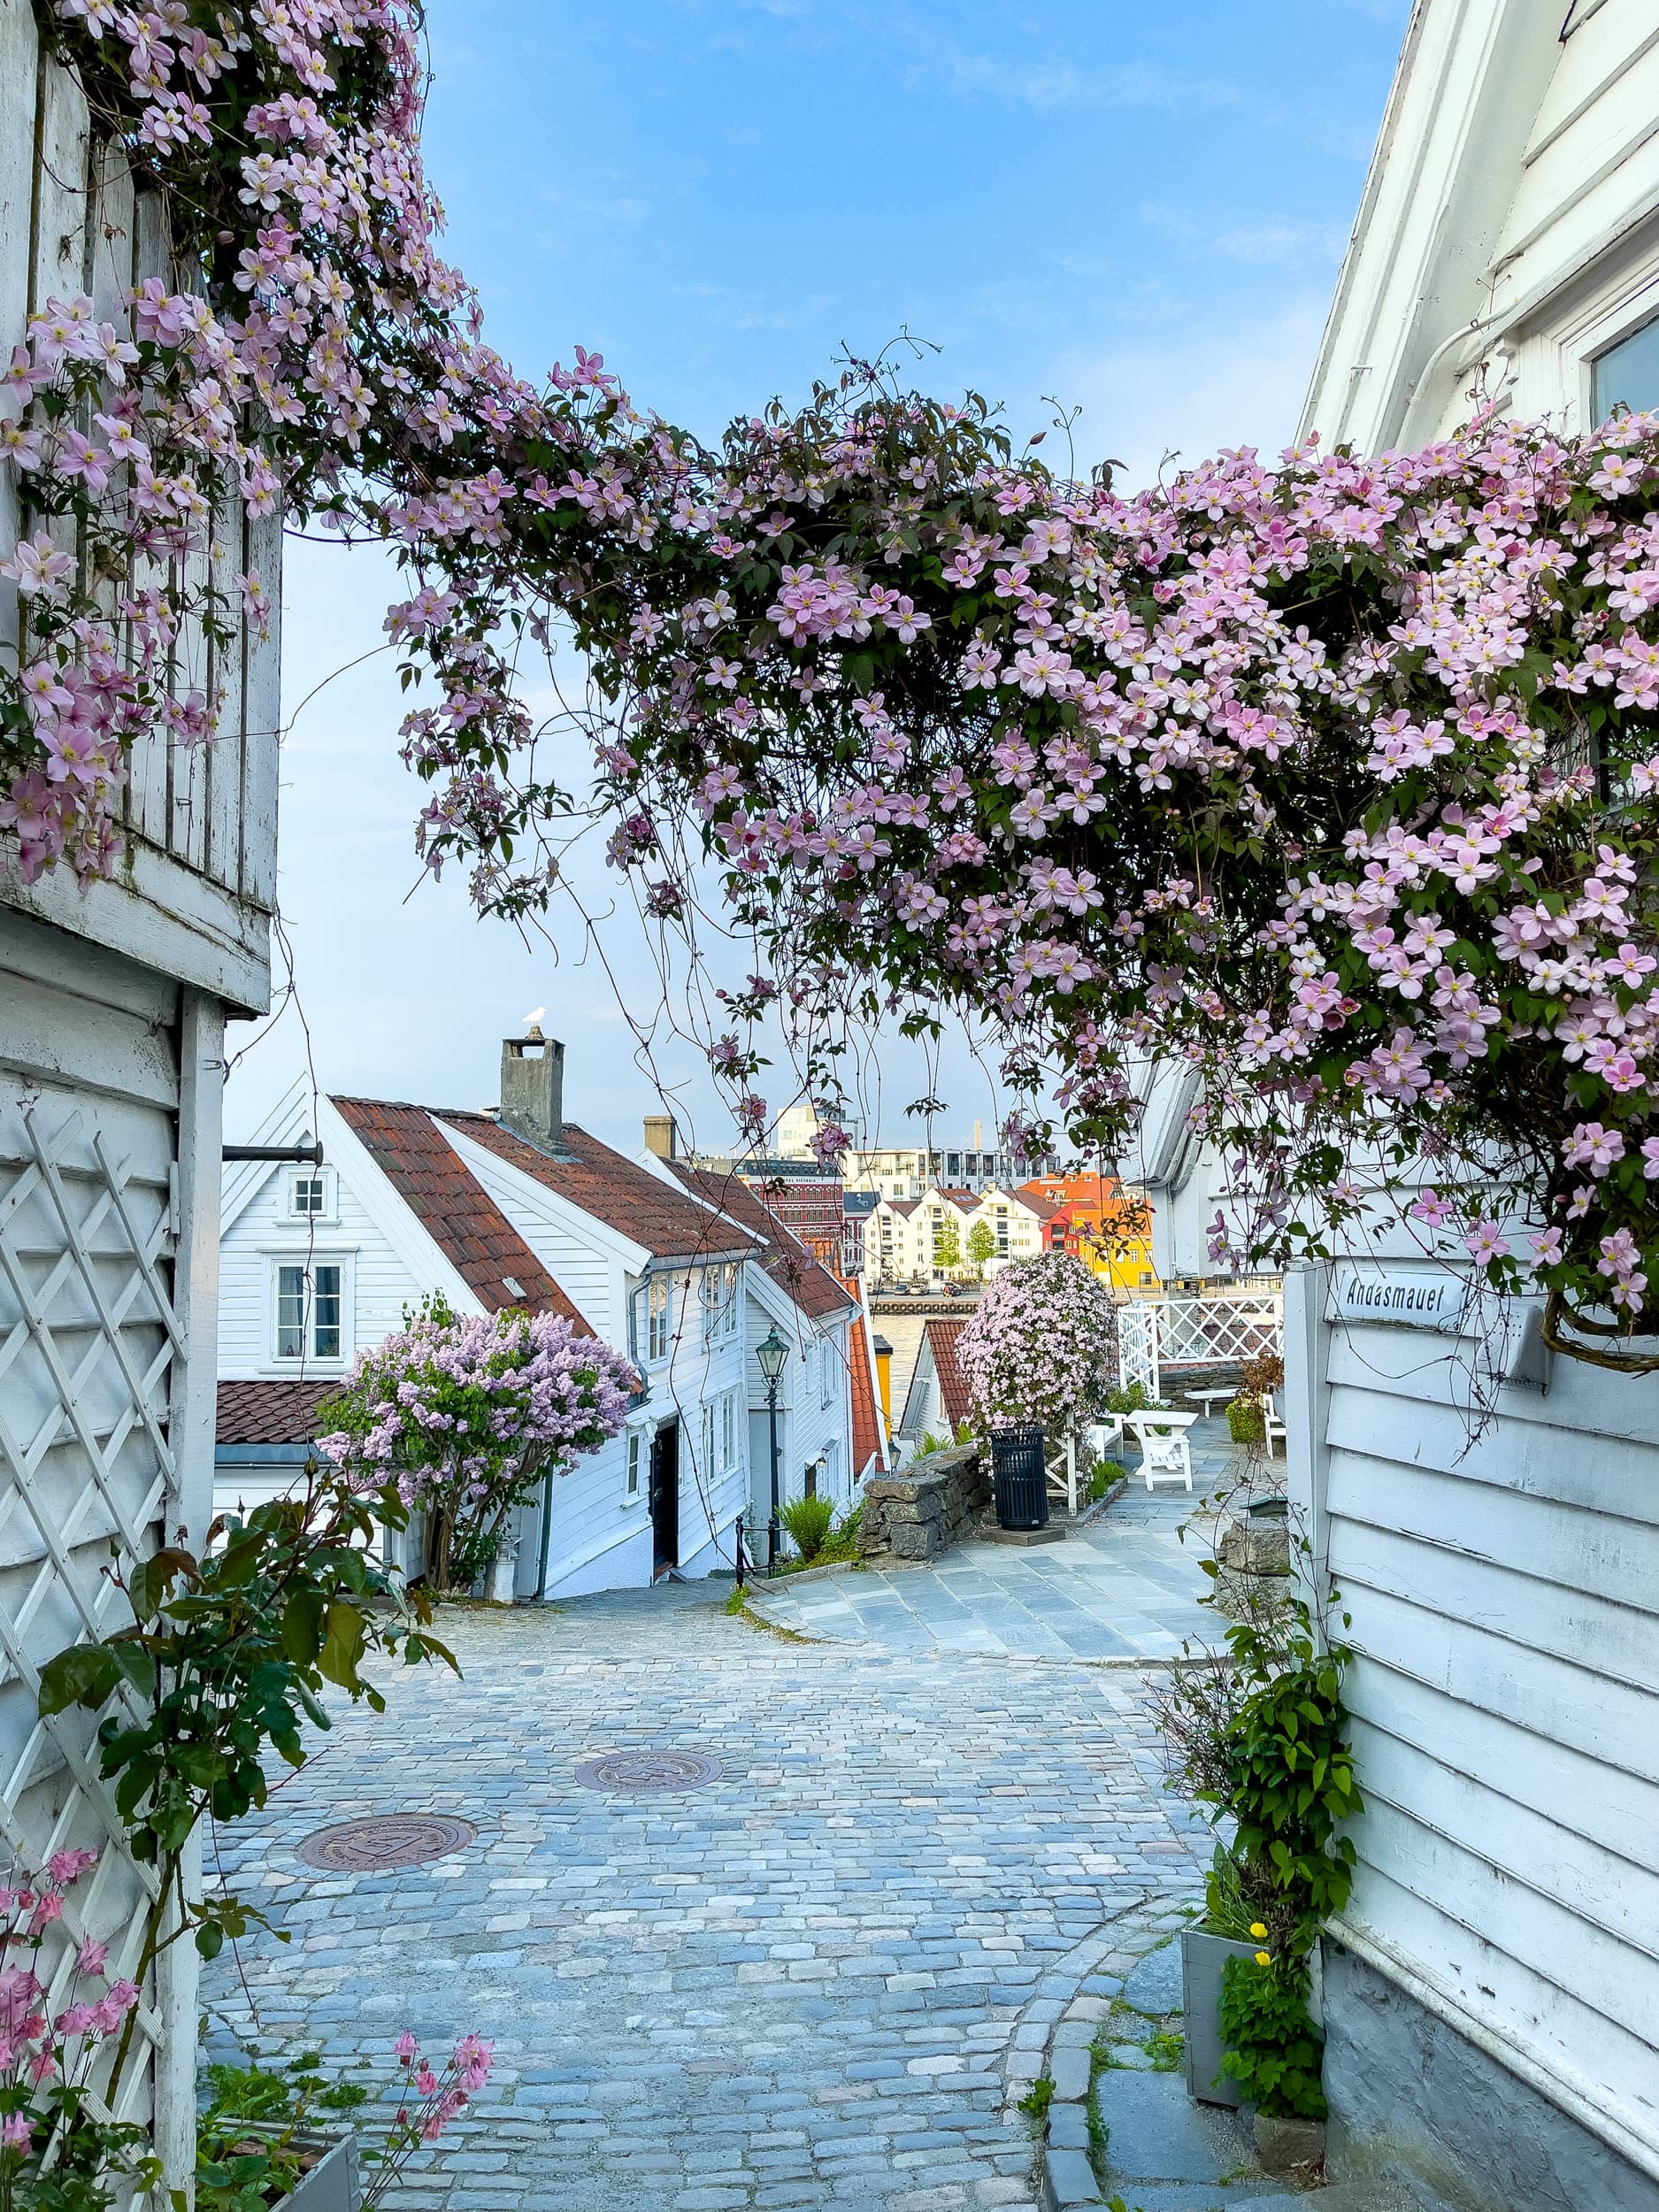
point(1266, 242)
point(1215, 384)
point(1052, 82)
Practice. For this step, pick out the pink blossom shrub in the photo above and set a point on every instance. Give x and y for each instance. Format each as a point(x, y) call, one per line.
point(466, 1416)
point(1040, 1346)
point(1332, 778)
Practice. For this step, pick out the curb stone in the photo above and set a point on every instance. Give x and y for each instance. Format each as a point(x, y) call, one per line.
point(1054, 2037)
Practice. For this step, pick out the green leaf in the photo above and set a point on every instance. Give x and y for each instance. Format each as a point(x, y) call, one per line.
point(86, 1674)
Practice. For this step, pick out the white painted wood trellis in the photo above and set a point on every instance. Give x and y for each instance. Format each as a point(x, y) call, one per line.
point(112, 1006)
point(1159, 1337)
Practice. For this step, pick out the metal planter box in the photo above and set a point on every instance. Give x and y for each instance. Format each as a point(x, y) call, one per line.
point(1202, 1958)
point(332, 2183)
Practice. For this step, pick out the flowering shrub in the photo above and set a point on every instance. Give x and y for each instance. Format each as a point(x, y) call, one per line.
point(1042, 1346)
point(1333, 780)
point(256, 2139)
point(466, 1416)
point(56, 2080)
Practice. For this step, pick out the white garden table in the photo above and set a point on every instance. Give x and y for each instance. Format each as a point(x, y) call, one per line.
point(1166, 1456)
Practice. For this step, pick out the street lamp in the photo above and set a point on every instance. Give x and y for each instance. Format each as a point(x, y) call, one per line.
point(773, 1355)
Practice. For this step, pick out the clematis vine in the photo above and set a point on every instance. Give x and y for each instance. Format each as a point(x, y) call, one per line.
point(1333, 780)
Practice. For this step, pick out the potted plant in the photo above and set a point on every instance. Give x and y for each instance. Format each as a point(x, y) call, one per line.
point(1259, 1734)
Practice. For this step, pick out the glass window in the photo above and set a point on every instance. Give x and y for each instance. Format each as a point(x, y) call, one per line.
point(1627, 375)
point(309, 1318)
point(728, 1429)
point(657, 1302)
point(633, 1463)
point(306, 1196)
point(708, 1440)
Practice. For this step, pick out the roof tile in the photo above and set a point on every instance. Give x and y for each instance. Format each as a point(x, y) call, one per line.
point(279, 1412)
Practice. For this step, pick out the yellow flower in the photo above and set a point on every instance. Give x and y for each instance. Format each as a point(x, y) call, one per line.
point(1257, 1930)
point(1265, 1958)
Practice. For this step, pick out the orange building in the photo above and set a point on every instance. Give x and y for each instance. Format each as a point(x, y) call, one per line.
point(1100, 1223)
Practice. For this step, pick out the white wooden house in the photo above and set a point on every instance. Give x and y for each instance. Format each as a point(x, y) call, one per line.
point(113, 1003)
point(1492, 1993)
point(520, 1208)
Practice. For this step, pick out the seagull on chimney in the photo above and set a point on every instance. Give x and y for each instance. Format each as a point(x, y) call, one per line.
point(533, 1026)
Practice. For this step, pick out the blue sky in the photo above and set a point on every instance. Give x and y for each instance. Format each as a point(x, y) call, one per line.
point(1135, 210)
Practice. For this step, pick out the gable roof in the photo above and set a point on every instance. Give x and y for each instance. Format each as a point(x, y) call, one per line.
point(282, 1412)
point(461, 1218)
point(618, 1191)
point(941, 1338)
point(785, 1259)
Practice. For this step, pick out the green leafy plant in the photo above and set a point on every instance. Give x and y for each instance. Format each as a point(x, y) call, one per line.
point(808, 1521)
point(1245, 1424)
point(226, 1659)
point(841, 1547)
point(1274, 2050)
point(1038, 2098)
point(737, 1599)
point(1166, 2049)
point(1101, 1475)
point(1132, 1398)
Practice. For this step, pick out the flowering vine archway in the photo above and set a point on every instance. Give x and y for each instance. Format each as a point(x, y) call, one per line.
point(1334, 779)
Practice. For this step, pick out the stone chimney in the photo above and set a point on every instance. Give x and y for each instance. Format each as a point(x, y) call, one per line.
point(533, 1089)
point(662, 1136)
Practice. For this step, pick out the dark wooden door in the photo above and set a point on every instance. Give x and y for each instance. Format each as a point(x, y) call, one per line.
point(665, 1494)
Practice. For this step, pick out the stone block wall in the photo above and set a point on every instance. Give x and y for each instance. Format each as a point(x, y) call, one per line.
point(930, 1505)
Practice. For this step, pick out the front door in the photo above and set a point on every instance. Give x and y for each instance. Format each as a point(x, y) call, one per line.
point(665, 1494)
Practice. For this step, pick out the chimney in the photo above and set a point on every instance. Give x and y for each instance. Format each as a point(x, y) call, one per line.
point(533, 1089)
point(662, 1136)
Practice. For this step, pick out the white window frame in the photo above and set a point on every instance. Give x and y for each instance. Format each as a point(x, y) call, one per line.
point(1553, 359)
point(659, 1313)
point(708, 1436)
point(328, 1208)
point(827, 1365)
point(728, 1432)
point(630, 1480)
point(310, 1358)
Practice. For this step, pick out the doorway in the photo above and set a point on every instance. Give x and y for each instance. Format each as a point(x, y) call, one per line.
point(666, 1496)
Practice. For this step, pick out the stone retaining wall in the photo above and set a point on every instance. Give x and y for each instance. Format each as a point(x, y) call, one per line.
point(932, 1504)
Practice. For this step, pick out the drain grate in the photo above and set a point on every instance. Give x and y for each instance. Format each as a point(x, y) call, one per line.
point(644, 1773)
point(385, 1841)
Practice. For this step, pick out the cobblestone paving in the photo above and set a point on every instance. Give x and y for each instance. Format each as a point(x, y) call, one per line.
point(821, 1981)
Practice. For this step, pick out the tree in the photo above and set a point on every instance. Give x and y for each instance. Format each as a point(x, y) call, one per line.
point(947, 1245)
point(466, 1416)
point(981, 1245)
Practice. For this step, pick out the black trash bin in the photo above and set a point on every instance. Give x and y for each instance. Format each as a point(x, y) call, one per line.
point(1018, 1477)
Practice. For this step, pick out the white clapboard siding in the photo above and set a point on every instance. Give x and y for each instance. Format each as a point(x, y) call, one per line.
point(1502, 1578)
point(193, 898)
point(1504, 233)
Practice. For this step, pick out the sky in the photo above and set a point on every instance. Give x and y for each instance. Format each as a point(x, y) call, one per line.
point(1133, 211)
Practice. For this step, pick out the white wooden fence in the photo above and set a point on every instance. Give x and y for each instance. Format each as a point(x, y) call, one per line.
point(1159, 1338)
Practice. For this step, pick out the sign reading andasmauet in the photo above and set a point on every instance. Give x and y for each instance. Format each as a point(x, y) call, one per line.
point(1410, 1298)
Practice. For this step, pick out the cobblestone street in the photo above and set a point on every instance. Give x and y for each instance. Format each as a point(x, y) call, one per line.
point(821, 1979)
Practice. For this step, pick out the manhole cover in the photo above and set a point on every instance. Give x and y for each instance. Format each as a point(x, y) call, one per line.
point(632, 1772)
point(387, 1841)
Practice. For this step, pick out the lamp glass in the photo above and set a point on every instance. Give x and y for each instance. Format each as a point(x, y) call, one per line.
point(772, 1354)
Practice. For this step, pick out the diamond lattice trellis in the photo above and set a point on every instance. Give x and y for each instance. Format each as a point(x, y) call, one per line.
point(88, 1340)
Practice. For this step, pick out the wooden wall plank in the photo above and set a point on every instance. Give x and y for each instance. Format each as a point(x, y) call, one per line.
point(262, 718)
point(20, 84)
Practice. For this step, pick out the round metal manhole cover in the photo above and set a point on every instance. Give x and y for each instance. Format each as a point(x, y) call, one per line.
point(385, 1841)
point(634, 1773)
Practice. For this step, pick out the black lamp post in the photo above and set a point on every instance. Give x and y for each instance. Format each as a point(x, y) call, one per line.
point(773, 1354)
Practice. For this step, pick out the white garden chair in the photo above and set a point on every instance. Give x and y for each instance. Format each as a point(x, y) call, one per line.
point(1273, 1427)
point(1165, 1454)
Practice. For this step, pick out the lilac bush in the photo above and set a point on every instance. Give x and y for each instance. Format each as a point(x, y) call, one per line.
point(1040, 1346)
point(467, 1416)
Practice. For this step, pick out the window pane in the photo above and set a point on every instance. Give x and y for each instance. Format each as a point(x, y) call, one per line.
point(326, 1341)
point(290, 1312)
point(1627, 375)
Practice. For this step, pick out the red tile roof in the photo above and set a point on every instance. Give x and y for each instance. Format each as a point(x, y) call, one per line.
point(616, 1191)
point(953, 1392)
point(457, 1213)
point(281, 1412)
point(785, 1259)
point(1044, 1207)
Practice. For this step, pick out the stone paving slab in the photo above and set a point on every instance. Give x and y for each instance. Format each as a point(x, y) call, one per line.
point(1122, 1587)
point(824, 1980)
